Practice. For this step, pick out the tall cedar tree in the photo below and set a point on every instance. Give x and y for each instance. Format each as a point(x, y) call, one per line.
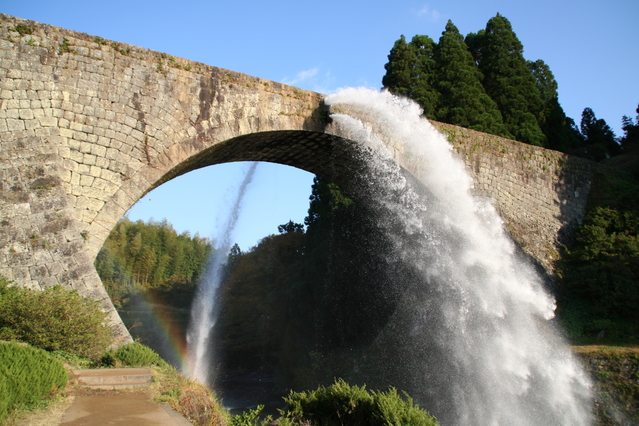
point(409, 72)
point(507, 79)
point(463, 100)
point(560, 131)
point(401, 61)
point(599, 139)
point(630, 139)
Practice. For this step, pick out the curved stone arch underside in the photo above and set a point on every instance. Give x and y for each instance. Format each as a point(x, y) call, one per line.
point(88, 126)
point(340, 160)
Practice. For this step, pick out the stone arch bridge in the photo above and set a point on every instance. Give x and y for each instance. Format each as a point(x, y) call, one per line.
point(88, 126)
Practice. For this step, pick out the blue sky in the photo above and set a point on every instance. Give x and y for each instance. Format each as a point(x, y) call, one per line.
point(590, 46)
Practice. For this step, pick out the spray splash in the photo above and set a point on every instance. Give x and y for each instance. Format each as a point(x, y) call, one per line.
point(473, 335)
point(204, 309)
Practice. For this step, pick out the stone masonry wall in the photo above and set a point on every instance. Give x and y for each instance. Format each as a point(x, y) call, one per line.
point(87, 126)
point(540, 194)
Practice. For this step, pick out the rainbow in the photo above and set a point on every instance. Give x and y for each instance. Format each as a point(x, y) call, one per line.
point(159, 327)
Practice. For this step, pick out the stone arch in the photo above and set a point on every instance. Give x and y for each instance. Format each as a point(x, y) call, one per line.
point(322, 154)
point(336, 158)
point(87, 126)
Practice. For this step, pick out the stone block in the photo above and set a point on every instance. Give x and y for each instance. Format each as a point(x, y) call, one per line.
point(14, 125)
point(26, 114)
point(86, 180)
point(48, 121)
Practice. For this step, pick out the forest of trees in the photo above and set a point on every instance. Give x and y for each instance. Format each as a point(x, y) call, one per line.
point(140, 256)
point(295, 302)
point(483, 82)
point(598, 291)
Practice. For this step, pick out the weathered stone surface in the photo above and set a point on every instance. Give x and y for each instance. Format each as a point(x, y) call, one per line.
point(88, 126)
point(540, 194)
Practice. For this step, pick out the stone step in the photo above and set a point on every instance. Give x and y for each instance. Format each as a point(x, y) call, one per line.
point(113, 378)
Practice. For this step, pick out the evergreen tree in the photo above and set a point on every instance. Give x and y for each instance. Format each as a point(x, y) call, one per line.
point(507, 79)
point(463, 100)
point(423, 90)
point(599, 139)
point(399, 69)
point(560, 131)
point(630, 139)
point(409, 72)
point(546, 83)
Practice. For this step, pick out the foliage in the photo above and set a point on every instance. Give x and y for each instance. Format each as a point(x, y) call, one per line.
point(254, 301)
point(463, 100)
point(409, 72)
point(72, 360)
point(290, 227)
point(481, 82)
point(341, 404)
point(508, 80)
point(140, 256)
point(54, 319)
point(615, 374)
point(560, 131)
point(131, 355)
point(27, 375)
point(65, 46)
point(599, 139)
point(630, 139)
point(151, 271)
point(600, 285)
point(250, 418)
point(23, 29)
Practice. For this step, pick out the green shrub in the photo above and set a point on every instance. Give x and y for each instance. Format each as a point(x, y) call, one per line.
point(27, 375)
point(72, 360)
point(343, 405)
point(54, 319)
point(132, 355)
point(250, 418)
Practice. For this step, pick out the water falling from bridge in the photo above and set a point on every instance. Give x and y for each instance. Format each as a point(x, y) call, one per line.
point(473, 339)
point(205, 310)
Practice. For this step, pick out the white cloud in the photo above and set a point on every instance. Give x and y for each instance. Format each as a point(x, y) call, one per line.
point(302, 77)
point(429, 13)
point(313, 79)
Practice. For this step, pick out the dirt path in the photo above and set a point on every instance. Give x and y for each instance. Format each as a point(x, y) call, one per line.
point(83, 407)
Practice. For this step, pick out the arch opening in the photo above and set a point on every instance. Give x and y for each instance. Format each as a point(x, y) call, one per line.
point(329, 156)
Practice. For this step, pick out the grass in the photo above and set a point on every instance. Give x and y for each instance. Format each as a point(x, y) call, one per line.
point(192, 400)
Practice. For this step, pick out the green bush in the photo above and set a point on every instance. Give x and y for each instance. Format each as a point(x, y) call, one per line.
point(72, 360)
point(132, 355)
point(599, 291)
point(27, 375)
point(54, 319)
point(250, 418)
point(343, 405)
